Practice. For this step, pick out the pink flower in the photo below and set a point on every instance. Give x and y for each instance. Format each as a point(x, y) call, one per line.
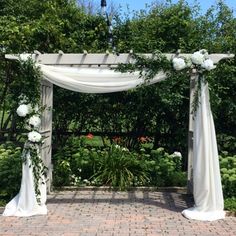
point(142, 139)
point(89, 136)
point(116, 139)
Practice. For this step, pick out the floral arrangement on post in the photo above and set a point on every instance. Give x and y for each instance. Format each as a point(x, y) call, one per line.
point(198, 60)
point(34, 140)
point(201, 63)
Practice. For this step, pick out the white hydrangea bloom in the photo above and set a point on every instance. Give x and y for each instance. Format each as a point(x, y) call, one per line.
point(179, 63)
point(35, 121)
point(208, 65)
point(22, 110)
point(34, 136)
point(197, 58)
point(177, 154)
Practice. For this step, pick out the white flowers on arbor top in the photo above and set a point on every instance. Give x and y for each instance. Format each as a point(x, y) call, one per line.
point(198, 60)
point(23, 110)
point(35, 121)
point(208, 65)
point(179, 63)
point(34, 136)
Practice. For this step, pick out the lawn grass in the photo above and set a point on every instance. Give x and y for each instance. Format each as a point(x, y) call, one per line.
point(96, 141)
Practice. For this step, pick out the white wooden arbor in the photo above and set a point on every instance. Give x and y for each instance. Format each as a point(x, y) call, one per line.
point(101, 60)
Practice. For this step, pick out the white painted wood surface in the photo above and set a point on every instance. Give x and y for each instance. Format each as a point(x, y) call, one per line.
point(46, 128)
point(99, 59)
point(193, 81)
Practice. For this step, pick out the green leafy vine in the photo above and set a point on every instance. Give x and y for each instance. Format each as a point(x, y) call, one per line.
point(30, 111)
point(149, 67)
point(39, 169)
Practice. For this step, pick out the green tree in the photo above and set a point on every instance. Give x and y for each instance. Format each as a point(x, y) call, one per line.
point(47, 26)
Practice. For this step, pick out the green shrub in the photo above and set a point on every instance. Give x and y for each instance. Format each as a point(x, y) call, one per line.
point(75, 162)
point(165, 169)
point(10, 170)
point(228, 175)
point(62, 174)
point(120, 168)
point(230, 204)
point(226, 143)
point(79, 163)
point(179, 178)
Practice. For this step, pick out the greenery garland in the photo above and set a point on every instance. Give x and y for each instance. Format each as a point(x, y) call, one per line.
point(30, 111)
point(149, 67)
point(39, 169)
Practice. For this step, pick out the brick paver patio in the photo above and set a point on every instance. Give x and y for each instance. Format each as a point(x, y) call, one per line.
point(111, 213)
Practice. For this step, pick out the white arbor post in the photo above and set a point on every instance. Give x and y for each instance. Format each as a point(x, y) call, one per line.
point(193, 79)
point(46, 128)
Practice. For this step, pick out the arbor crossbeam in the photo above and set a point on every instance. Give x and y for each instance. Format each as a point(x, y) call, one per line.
point(100, 58)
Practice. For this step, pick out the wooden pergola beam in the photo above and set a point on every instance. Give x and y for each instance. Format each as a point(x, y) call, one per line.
point(99, 59)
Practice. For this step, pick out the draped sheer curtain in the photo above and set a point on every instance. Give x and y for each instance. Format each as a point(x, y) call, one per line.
point(207, 188)
point(208, 195)
point(95, 80)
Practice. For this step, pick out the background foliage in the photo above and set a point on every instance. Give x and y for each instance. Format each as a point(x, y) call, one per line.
point(82, 162)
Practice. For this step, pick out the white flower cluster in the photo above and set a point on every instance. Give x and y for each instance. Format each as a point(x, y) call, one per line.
point(34, 136)
point(22, 110)
point(34, 121)
point(177, 154)
point(123, 149)
point(199, 58)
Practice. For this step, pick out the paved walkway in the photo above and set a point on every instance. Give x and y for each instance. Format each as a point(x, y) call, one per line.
point(109, 213)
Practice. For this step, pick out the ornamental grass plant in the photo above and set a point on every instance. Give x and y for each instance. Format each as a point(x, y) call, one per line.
point(118, 167)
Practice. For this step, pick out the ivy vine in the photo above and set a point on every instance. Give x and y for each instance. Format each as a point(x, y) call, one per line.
point(39, 169)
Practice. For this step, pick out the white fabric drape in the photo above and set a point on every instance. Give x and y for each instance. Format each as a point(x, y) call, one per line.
point(94, 80)
point(207, 189)
point(25, 202)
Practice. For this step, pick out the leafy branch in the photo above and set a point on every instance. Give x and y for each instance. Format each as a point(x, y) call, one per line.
point(148, 67)
point(39, 169)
